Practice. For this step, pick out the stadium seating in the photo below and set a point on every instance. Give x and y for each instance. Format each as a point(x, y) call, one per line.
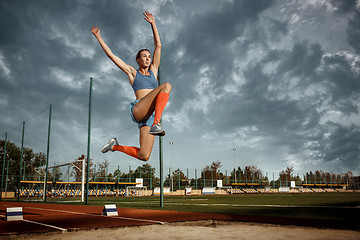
point(246, 190)
point(33, 193)
point(262, 190)
point(330, 190)
point(235, 191)
point(318, 190)
point(250, 190)
point(75, 192)
point(306, 190)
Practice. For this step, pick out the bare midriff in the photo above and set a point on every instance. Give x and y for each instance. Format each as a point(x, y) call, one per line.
point(142, 93)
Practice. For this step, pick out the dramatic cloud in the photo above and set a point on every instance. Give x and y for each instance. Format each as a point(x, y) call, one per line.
point(277, 80)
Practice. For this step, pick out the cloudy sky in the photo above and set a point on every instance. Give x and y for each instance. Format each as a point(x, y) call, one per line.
point(276, 80)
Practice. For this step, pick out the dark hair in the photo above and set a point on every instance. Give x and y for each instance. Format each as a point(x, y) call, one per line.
point(141, 50)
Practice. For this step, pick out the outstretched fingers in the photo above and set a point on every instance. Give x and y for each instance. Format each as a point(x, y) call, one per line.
point(149, 17)
point(95, 30)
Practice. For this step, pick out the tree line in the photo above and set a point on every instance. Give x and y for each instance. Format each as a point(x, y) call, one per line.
point(33, 169)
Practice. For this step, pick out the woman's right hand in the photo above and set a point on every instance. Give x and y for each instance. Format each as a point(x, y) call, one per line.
point(96, 31)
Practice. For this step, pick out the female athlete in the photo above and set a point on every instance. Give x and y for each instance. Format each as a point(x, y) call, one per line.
point(151, 99)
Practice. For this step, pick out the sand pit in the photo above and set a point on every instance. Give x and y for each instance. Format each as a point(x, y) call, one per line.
point(201, 230)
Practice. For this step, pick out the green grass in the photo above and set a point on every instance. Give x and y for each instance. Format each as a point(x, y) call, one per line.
point(342, 208)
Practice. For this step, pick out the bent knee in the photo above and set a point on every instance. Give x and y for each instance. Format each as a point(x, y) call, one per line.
point(143, 157)
point(167, 87)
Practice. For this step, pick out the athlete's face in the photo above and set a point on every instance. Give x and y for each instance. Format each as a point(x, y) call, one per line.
point(144, 59)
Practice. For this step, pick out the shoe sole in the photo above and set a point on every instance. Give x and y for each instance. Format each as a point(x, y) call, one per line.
point(162, 133)
point(104, 150)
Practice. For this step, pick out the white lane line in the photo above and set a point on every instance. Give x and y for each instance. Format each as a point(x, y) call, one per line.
point(137, 219)
point(46, 225)
point(63, 211)
point(90, 214)
point(43, 224)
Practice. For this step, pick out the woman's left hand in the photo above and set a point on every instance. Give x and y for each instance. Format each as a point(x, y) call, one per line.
point(149, 17)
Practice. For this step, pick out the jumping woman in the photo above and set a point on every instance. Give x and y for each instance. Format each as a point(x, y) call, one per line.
point(151, 99)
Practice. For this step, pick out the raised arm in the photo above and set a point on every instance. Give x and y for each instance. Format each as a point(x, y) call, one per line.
point(157, 52)
point(127, 69)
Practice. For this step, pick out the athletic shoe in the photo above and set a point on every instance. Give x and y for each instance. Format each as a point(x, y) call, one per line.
point(157, 130)
point(109, 145)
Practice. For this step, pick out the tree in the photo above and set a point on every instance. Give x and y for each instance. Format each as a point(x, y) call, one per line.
point(54, 174)
point(212, 171)
point(252, 173)
point(309, 177)
point(144, 171)
point(101, 175)
point(31, 161)
point(77, 168)
point(286, 176)
point(147, 173)
point(177, 175)
point(248, 174)
point(117, 175)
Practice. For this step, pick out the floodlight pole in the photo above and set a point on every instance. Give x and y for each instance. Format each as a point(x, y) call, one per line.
point(234, 149)
point(83, 180)
point(88, 147)
point(47, 156)
point(171, 166)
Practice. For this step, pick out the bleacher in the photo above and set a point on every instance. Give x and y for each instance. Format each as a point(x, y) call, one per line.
point(250, 190)
point(235, 191)
point(329, 190)
point(306, 190)
point(262, 190)
point(76, 192)
point(33, 193)
point(246, 190)
point(318, 190)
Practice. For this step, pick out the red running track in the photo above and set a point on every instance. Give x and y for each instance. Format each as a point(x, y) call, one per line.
point(40, 217)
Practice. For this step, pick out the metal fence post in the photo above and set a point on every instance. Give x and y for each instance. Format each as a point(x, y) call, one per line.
point(3, 168)
point(88, 146)
point(21, 159)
